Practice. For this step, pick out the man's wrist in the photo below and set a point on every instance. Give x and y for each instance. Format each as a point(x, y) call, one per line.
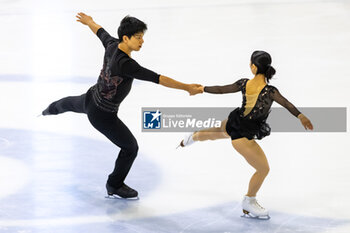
point(90, 23)
point(186, 87)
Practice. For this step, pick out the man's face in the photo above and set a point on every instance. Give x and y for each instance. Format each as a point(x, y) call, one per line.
point(135, 42)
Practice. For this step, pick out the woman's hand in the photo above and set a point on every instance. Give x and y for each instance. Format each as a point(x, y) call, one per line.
point(305, 122)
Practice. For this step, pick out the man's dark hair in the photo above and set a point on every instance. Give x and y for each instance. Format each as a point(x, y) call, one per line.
point(130, 26)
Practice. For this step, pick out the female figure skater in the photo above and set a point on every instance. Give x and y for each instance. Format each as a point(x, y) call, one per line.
point(248, 122)
point(101, 102)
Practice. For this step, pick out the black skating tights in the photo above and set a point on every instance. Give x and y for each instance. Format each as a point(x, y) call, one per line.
point(109, 125)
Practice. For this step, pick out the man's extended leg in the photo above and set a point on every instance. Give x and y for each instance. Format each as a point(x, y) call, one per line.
point(67, 104)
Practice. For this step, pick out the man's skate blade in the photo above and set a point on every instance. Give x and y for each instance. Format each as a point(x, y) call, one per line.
point(246, 214)
point(115, 196)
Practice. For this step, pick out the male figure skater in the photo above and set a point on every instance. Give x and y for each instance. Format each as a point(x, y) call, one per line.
point(101, 102)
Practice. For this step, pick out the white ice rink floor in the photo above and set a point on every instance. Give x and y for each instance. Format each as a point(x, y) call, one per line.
point(53, 169)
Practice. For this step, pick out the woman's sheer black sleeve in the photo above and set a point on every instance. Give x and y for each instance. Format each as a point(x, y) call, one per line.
point(231, 88)
point(276, 96)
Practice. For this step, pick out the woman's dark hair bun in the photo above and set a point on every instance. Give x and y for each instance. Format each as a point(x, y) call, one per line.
point(262, 60)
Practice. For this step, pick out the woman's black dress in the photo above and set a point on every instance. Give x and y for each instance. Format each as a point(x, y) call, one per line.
point(251, 123)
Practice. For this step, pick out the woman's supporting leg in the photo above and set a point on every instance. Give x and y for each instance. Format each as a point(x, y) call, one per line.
point(255, 156)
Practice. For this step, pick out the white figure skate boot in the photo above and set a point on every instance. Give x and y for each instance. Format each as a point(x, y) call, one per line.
point(187, 140)
point(252, 209)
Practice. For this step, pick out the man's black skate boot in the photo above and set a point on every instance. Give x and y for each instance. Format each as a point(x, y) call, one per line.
point(124, 191)
point(49, 111)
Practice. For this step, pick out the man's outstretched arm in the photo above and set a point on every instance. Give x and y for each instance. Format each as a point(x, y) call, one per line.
point(192, 89)
point(87, 20)
point(133, 69)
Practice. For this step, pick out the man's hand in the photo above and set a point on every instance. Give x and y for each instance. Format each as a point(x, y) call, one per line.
point(84, 19)
point(87, 20)
point(194, 89)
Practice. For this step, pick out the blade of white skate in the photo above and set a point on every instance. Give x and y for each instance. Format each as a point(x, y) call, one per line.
point(115, 196)
point(250, 216)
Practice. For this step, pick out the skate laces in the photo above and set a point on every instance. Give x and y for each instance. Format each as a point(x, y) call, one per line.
point(128, 188)
point(258, 205)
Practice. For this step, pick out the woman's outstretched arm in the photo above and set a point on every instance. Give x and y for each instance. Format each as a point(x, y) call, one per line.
point(231, 88)
point(276, 95)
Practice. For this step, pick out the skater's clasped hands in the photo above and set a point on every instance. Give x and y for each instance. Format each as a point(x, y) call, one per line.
point(194, 89)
